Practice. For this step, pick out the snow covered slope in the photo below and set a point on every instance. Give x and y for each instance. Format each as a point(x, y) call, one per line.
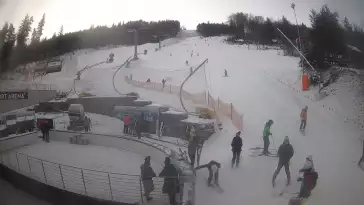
point(255, 87)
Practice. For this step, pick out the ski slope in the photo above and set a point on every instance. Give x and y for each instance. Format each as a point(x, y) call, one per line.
point(262, 85)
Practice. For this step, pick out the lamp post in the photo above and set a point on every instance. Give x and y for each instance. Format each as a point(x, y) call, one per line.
point(293, 6)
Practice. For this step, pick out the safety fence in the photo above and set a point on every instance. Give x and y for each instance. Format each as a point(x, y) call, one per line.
point(12, 85)
point(116, 187)
point(220, 107)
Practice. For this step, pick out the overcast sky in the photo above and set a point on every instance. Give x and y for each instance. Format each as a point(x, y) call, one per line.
point(80, 14)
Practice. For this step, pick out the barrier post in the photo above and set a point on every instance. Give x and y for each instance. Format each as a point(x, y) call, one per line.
point(231, 111)
point(30, 169)
point(60, 171)
point(17, 160)
point(141, 190)
point(45, 177)
point(108, 176)
point(83, 180)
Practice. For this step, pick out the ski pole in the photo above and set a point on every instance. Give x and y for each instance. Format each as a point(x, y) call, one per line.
point(274, 144)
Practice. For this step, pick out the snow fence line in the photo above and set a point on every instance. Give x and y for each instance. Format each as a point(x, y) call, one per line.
point(220, 107)
point(118, 187)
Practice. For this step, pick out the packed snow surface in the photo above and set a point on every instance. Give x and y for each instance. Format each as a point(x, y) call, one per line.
point(262, 85)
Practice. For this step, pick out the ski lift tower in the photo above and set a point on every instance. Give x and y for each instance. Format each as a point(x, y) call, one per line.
point(136, 40)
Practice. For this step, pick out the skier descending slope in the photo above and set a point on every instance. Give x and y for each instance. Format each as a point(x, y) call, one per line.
point(236, 145)
point(266, 133)
point(285, 153)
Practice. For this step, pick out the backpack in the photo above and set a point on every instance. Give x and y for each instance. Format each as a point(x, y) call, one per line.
point(314, 177)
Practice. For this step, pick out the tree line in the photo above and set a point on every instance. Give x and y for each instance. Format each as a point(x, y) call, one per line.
point(328, 41)
point(27, 45)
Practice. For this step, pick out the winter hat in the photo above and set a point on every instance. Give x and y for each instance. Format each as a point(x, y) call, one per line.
point(238, 133)
point(309, 163)
point(286, 140)
point(270, 121)
point(147, 158)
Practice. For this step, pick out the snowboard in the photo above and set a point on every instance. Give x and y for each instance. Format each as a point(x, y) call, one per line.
point(217, 188)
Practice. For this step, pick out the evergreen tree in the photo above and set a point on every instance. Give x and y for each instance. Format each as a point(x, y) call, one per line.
point(3, 33)
point(327, 37)
point(60, 33)
point(34, 37)
point(7, 47)
point(24, 31)
point(40, 28)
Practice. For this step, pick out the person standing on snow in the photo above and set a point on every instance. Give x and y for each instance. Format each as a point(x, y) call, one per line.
point(266, 133)
point(285, 153)
point(236, 145)
point(213, 167)
point(170, 184)
point(309, 179)
point(147, 174)
point(303, 118)
point(127, 122)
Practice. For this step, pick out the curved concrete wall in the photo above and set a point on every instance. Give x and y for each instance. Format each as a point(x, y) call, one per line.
point(34, 97)
point(8, 143)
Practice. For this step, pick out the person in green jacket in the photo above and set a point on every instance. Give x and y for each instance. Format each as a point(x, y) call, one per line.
point(266, 133)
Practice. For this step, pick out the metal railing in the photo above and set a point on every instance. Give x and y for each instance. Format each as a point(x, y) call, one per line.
point(116, 187)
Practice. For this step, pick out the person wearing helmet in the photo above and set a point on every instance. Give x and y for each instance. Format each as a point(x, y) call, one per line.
point(266, 133)
point(285, 153)
point(309, 178)
point(303, 118)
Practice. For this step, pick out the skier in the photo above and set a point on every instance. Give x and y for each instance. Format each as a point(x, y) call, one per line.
point(303, 118)
point(147, 174)
point(226, 75)
point(213, 167)
point(170, 184)
point(362, 157)
point(163, 83)
point(236, 145)
point(266, 133)
point(309, 179)
point(285, 153)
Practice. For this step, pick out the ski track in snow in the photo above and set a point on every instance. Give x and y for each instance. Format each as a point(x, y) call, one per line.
point(333, 143)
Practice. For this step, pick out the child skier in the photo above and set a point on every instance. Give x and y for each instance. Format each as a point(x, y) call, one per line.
point(213, 167)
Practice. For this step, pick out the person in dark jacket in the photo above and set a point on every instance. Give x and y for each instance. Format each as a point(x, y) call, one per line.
point(285, 153)
point(362, 156)
point(236, 145)
point(309, 178)
point(170, 184)
point(147, 174)
point(213, 167)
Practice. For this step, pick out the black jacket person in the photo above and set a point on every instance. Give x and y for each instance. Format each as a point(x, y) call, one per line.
point(147, 174)
point(285, 153)
point(236, 146)
point(213, 167)
point(170, 184)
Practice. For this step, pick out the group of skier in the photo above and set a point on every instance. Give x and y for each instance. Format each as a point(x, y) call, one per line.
point(285, 152)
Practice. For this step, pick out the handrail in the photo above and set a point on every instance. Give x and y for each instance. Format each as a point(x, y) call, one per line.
point(111, 186)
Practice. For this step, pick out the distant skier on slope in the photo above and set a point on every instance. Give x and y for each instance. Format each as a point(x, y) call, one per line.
point(309, 179)
point(266, 133)
point(303, 118)
point(236, 145)
point(285, 153)
point(225, 73)
point(213, 167)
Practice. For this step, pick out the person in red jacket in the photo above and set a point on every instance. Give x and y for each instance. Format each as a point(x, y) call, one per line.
point(127, 122)
point(303, 118)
